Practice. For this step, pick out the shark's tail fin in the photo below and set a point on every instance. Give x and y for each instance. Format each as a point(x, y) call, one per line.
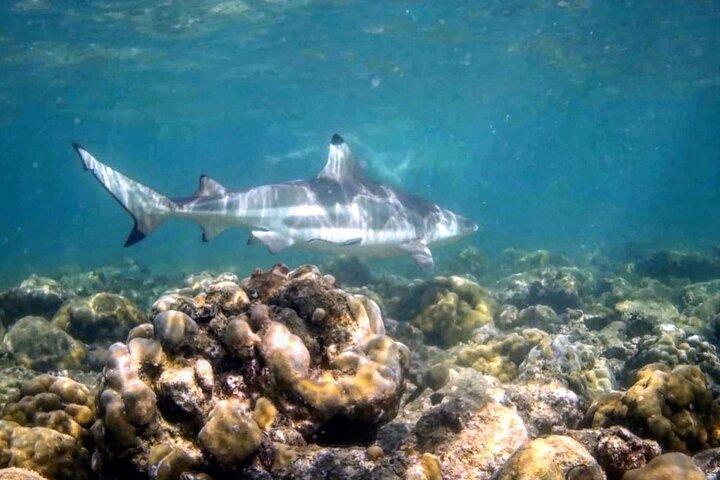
point(148, 208)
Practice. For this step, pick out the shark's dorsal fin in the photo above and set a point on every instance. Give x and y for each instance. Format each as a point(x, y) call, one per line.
point(341, 164)
point(209, 188)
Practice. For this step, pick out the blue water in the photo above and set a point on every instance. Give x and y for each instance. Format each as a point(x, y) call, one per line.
point(571, 125)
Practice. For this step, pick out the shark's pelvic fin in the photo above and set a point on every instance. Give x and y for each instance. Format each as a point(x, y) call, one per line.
point(210, 188)
point(148, 208)
point(273, 241)
point(341, 165)
point(420, 252)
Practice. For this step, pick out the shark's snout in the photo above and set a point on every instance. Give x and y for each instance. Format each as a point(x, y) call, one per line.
point(467, 226)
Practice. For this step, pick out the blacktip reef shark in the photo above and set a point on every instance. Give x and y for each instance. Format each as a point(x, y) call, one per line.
point(341, 210)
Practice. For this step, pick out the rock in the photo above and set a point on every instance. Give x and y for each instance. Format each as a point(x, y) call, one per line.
point(230, 381)
point(33, 342)
point(478, 442)
point(19, 474)
point(544, 405)
point(555, 457)
point(709, 462)
point(35, 296)
point(616, 449)
point(673, 406)
point(670, 466)
point(103, 317)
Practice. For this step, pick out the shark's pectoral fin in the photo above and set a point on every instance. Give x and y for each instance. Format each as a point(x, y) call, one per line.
point(272, 240)
point(349, 241)
point(420, 252)
point(211, 231)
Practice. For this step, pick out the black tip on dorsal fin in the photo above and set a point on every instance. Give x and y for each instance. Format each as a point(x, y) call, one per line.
point(209, 187)
point(337, 140)
point(134, 237)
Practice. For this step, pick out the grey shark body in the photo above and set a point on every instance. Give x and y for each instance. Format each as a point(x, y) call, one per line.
point(341, 210)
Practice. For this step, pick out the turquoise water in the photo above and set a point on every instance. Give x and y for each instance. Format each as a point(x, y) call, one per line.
point(570, 125)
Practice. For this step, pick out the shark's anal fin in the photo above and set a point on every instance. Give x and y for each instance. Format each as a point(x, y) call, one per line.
point(420, 252)
point(211, 231)
point(273, 241)
point(348, 242)
point(208, 187)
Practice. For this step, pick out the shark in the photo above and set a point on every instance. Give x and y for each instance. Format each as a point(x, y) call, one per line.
point(340, 210)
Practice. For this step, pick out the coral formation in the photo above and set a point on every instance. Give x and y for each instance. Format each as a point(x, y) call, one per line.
point(673, 406)
point(283, 355)
point(34, 296)
point(448, 309)
point(45, 428)
point(103, 317)
point(35, 343)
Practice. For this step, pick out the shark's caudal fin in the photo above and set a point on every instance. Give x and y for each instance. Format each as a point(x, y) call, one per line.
point(148, 208)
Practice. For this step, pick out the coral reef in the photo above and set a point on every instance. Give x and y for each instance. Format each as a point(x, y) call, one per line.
point(553, 372)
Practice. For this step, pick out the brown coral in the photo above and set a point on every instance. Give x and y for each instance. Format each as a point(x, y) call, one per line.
point(217, 375)
point(674, 407)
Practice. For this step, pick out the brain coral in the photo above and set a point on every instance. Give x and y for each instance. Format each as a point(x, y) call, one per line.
point(674, 407)
point(221, 381)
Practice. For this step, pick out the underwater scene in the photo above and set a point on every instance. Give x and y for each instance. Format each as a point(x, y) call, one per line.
point(364, 240)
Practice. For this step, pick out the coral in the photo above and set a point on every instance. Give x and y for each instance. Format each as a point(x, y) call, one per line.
point(349, 271)
point(34, 296)
point(52, 454)
point(35, 343)
point(673, 406)
point(103, 317)
point(670, 466)
point(283, 355)
point(448, 309)
point(642, 316)
point(11, 378)
point(555, 457)
point(616, 449)
point(558, 288)
point(501, 355)
point(470, 261)
point(671, 346)
point(58, 403)
point(667, 264)
point(538, 316)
